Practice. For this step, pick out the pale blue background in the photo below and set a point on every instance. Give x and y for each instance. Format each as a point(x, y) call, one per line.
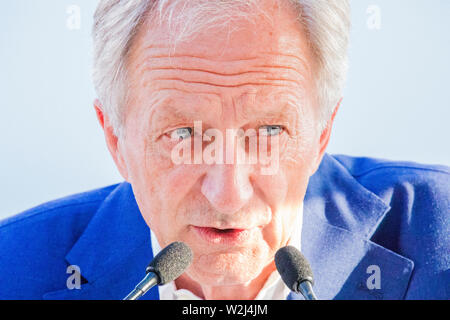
point(396, 103)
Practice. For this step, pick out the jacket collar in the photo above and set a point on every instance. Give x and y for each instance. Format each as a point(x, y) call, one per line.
point(340, 216)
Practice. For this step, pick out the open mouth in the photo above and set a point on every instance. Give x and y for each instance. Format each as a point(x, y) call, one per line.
point(222, 236)
point(224, 231)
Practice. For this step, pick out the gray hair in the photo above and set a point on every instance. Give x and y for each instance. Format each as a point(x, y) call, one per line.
point(116, 22)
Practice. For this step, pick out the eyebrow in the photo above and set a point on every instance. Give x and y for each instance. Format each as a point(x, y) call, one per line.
point(283, 110)
point(169, 110)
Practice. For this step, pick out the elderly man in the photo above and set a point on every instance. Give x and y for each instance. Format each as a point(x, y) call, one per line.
point(217, 115)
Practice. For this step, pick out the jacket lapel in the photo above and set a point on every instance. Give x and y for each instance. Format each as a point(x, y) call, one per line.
point(113, 251)
point(340, 216)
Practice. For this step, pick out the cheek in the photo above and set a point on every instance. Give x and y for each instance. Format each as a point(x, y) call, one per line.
point(286, 192)
point(161, 186)
point(146, 175)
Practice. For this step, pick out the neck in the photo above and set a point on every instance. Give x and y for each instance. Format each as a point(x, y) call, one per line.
point(247, 291)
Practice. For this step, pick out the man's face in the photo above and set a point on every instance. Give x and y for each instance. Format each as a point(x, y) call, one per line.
point(233, 215)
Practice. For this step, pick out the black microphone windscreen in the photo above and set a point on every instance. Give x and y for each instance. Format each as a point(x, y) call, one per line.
point(293, 267)
point(171, 262)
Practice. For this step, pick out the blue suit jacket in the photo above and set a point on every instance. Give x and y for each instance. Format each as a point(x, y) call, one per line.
point(358, 212)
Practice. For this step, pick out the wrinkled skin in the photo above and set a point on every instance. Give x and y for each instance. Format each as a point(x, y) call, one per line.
point(245, 84)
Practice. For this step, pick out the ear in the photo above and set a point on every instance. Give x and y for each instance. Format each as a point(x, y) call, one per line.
point(112, 141)
point(325, 138)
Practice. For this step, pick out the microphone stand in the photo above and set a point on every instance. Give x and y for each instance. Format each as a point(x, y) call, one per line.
point(150, 280)
point(305, 288)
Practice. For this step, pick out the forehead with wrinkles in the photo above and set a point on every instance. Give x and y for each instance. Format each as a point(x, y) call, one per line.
point(267, 56)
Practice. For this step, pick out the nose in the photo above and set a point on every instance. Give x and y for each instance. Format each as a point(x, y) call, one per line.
point(227, 187)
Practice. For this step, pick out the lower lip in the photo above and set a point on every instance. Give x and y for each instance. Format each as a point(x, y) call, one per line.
point(227, 237)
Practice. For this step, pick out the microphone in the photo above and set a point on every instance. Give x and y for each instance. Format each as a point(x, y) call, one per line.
point(295, 271)
point(168, 265)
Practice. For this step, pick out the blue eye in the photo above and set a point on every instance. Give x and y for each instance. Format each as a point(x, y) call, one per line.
point(270, 130)
point(181, 134)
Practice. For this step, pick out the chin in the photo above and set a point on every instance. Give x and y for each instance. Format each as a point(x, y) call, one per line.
point(228, 278)
point(235, 268)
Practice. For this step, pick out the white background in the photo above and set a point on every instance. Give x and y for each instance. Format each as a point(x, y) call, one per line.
point(396, 102)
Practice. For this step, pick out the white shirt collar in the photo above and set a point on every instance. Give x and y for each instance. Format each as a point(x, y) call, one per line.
point(273, 289)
